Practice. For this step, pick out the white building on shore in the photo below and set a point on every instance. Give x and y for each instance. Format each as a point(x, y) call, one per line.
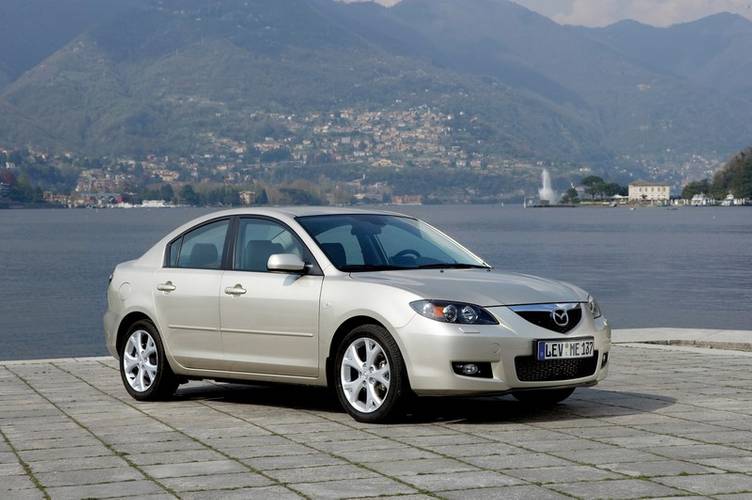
point(653, 192)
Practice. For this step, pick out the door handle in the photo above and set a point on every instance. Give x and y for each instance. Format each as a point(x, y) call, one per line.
point(235, 290)
point(166, 287)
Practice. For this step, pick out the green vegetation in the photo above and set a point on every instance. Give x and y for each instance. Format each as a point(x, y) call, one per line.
point(19, 189)
point(596, 187)
point(571, 197)
point(135, 77)
point(695, 188)
point(734, 178)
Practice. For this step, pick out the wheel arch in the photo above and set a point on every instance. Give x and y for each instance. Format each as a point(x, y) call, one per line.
point(346, 327)
point(127, 321)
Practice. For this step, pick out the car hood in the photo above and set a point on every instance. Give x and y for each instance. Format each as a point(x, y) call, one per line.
point(477, 286)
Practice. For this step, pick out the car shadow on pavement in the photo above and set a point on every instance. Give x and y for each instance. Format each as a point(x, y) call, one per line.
point(584, 403)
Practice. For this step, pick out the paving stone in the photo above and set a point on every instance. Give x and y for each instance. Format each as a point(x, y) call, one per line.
point(563, 474)
point(160, 447)
point(661, 468)
point(171, 457)
point(287, 462)
point(74, 464)
point(400, 497)
point(90, 476)
point(733, 464)
point(108, 490)
point(422, 466)
point(595, 457)
point(25, 494)
point(353, 488)
point(658, 415)
point(326, 473)
point(460, 480)
point(519, 461)
point(385, 455)
point(617, 489)
point(710, 484)
point(698, 451)
point(288, 449)
point(10, 469)
point(442, 440)
point(17, 482)
point(193, 468)
point(65, 453)
point(216, 482)
point(478, 450)
point(565, 445)
point(275, 492)
point(506, 492)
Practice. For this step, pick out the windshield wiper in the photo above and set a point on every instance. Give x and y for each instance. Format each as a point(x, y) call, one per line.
point(455, 265)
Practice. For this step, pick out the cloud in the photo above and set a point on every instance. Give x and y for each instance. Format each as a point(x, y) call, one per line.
point(655, 12)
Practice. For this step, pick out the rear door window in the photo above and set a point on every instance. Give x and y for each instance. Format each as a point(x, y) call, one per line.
point(203, 247)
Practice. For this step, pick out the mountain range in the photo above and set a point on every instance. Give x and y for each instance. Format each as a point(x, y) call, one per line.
point(141, 76)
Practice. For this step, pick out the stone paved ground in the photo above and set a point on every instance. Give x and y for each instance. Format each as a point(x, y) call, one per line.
point(668, 422)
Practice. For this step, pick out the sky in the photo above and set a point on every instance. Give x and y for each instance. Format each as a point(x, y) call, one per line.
point(654, 12)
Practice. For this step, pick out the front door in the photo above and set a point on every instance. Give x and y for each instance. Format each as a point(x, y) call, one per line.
point(269, 320)
point(186, 293)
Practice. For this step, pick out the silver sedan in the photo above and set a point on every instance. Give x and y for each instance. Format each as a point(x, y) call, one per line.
point(377, 305)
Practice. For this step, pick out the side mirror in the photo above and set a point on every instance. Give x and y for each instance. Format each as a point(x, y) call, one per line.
point(285, 262)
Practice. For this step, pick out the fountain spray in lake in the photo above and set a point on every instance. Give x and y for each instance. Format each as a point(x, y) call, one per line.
point(547, 193)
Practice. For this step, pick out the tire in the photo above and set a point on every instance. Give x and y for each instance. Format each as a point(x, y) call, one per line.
point(544, 397)
point(374, 401)
point(145, 372)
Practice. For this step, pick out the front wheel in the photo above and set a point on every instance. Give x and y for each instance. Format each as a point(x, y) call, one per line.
point(369, 375)
point(146, 374)
point(545, 397)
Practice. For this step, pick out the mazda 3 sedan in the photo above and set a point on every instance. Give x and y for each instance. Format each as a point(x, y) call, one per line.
point(378, 306)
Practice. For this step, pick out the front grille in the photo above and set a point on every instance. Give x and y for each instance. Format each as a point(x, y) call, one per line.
point(529, 369)
point(543, 315)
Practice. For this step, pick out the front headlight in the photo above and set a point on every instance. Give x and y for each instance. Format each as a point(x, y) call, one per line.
point(592, 305)
point(453, 312)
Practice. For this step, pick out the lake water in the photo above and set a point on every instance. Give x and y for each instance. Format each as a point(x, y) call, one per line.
point(650, 267)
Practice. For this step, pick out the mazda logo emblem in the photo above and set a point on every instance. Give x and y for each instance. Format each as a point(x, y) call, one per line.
point(560, 317)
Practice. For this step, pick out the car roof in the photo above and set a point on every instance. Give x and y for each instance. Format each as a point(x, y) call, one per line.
point(301, 211)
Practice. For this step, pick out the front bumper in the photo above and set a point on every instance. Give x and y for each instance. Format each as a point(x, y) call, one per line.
point(430, 348)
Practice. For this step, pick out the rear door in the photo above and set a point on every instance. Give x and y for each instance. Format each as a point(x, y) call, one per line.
point(186, 293)
point(270, 320)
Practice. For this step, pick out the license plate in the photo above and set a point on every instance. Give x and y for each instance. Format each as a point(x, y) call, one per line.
point(565, 349)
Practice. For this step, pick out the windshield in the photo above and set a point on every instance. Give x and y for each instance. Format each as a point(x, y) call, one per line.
point(370, 242)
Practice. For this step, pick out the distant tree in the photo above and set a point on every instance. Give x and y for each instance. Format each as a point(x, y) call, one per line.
point(571, 197)
point(166, 192)
point(38, 196)
point(150, 194)
point(262, 198)
point(231, 197)
point(594, 185)
point(613, 189)
point(279, 154)
point(735, 177)
point(7, 176)
point(188, 195)
point(694, 188)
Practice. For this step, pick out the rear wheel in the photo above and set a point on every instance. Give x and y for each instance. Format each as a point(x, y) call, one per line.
point(146, 374)
point(369, 375)
point(546, 397)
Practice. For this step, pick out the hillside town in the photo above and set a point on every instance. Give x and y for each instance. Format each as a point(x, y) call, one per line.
point(402, 156)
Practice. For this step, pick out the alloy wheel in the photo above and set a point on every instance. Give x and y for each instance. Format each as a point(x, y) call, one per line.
point(140, 361)
point(365, 375)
